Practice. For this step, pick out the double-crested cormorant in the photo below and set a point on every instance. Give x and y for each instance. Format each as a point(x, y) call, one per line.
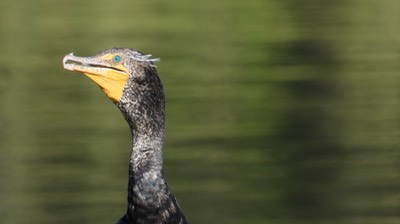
point(129, 78)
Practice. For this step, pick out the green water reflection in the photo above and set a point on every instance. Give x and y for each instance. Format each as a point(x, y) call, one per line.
point(277, 111)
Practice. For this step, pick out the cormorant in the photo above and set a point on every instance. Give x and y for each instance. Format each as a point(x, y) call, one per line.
point(129, 79)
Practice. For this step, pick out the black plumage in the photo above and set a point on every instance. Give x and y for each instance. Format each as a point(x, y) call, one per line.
point(142, 103)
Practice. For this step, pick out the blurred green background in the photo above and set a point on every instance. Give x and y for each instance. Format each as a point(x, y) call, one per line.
point(277, 111)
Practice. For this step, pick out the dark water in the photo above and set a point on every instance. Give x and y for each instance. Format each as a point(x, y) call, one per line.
point(277, 111)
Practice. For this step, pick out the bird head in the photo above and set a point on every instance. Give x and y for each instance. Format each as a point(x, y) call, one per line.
point(112, 69)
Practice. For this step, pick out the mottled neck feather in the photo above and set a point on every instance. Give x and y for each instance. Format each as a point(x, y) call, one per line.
point(149, 198)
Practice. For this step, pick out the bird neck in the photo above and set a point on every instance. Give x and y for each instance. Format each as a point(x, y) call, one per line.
point(146, 159)
point(149, 198)
point(146, 178)
point(147, 153)
point(146, 185)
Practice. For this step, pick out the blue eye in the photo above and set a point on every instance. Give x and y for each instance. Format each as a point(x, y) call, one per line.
point(117, 59)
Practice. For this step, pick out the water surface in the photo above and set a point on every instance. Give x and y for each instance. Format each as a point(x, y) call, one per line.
point(277, 112)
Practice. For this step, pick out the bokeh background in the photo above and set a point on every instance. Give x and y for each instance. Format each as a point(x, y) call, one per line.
point(277, 111)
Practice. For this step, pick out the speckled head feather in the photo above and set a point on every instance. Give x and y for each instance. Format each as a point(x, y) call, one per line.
point(142, 102)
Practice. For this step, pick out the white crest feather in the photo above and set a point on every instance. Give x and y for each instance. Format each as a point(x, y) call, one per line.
point(144, 58)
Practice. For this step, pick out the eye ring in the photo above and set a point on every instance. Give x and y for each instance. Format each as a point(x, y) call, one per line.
point(117, 58)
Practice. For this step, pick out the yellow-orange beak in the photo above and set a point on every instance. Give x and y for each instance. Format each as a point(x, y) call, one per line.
point(109, 76)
